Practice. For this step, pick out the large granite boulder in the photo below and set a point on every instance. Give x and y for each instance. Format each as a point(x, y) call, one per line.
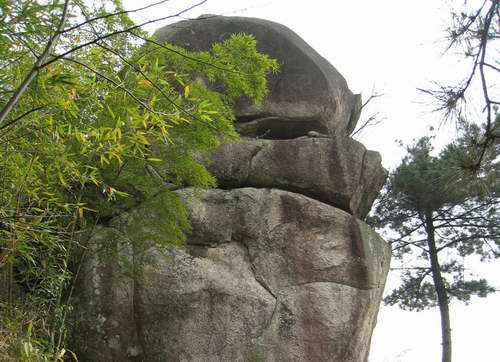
point(308, 92)
point(266, 275)
point(339, 172)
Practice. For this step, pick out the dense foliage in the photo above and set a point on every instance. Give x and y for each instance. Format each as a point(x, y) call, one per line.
point(94, 120)
point(438, 214)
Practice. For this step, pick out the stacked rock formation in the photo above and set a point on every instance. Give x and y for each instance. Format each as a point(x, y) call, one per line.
point(279, 265)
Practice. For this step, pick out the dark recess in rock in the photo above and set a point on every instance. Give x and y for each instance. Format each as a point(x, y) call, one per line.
point(279, 128)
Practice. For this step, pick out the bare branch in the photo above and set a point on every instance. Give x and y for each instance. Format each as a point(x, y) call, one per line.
point(484, 39)
point(491, 66)
point(117, 13)
point(411, 268)
point(373, 119)
point(118, 32)
point(402, 244)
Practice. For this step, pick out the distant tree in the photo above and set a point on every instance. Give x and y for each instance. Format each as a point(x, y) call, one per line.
point(96, 116)
point(473, 33)
point(435, 216)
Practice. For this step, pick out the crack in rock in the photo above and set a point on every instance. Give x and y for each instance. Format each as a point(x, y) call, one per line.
point(265, 287)
point(329, 282)
point(250, 162)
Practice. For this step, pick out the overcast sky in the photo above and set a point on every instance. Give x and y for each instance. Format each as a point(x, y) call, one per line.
point(392, 46)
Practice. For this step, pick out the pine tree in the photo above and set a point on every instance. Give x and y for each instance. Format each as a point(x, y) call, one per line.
point(441, 214)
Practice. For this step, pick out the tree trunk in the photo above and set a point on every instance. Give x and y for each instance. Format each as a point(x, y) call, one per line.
point(442, 295)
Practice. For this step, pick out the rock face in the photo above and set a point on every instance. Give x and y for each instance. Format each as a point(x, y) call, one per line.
point(340, 172)
point(278, 265)
point(266, 275)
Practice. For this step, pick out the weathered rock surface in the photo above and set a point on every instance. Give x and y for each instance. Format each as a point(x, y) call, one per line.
point(266, 275)
point(278, 265)
point(339, 172)
point(308, 93)
point(308, 96)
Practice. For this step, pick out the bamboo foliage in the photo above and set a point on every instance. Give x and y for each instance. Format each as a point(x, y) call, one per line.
point(93, 120)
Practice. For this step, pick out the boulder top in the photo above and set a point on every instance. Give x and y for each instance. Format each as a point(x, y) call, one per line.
point(308, 88)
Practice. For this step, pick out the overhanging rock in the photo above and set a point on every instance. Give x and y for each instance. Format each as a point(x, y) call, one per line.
point(308, 91)
point(339, 172)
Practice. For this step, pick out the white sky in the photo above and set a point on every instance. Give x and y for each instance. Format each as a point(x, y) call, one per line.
point(393, 46)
